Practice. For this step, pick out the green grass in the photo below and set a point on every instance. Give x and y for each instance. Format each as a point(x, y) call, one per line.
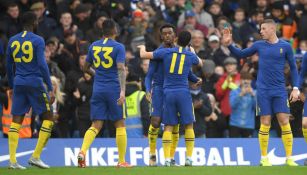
point(215, 170)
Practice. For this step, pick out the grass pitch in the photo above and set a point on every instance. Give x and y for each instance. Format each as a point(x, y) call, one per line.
point(213, 170)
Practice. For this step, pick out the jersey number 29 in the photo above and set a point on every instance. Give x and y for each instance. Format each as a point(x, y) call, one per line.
point(27, 51)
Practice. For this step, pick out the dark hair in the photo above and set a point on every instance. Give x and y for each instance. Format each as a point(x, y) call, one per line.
point(184, 38)
point(167, 25)
point(11, 4)
point(28, 19)
point(108, 27)
point(246, 76)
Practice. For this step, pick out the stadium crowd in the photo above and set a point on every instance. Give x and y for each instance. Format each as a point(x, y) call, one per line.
point(69, 26)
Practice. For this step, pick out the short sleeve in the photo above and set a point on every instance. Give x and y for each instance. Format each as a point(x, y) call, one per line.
point(121, 54)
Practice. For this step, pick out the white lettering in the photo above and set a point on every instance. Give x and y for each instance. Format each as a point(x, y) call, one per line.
point(227, 157)
point(181, 151)
point(199, 156)
point(214, 157)
point(112, 157)
point(97, 158)
point(240, 157)
point(134, 155)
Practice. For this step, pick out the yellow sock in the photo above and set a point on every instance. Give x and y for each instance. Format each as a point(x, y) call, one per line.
point(13, 135)
point(263, 137)
point(121, 142)
point(43, 137)
point(305, 134)
point(166, 143)
point(189, 141)
point(175, 139)
point(89, 137)
point(152, 138)
point(287, 139)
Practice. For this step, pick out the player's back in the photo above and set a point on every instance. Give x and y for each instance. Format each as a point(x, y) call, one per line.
point(104, 54)
point(177, 64)
point(26, 50)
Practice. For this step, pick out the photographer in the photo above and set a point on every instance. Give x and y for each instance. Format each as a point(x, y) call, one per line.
point(243, 105)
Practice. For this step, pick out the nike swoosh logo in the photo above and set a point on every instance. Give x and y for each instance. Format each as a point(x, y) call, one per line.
point(7, 157)
point(277, 160)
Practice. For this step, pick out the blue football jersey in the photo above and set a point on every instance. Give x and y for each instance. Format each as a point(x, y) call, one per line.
point(104, 55)
point(26, 51)
point(177, 63)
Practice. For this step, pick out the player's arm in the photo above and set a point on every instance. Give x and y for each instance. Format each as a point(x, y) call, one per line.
point(303, 71)
point(148, 79)
point(144, 54)
point(294, 74)
point(87, 68)
point(120, 60)
point(192, 77)
point(9, 67)
point(43, 64)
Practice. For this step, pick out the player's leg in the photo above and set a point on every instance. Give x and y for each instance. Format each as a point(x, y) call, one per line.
point(170, 119)
point(175, 140)
point(265, 110)
point(304, 122)
point(40, 103)
point(185, 108)
point(117, 114)
point(282, 109)
point(304, 126)
point(155, 121)
point(153, 132)
point(20, 106)
point(98, 115)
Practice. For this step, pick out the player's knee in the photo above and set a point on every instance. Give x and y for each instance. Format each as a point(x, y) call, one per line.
point(188, 126)
point(119, 123)
point(155, 122)
point(304, 123)
point(97, 124)
point(18, 119)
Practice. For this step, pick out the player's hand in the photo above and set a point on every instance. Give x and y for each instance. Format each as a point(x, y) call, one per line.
point(148, 97)
point(294, 95)
point(227, 37)
point(141, 47)
point(121, 99)
point(52, 97)
point(192, 50)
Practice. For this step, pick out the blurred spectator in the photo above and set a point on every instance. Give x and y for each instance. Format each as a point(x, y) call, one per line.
point(95, 33)
point(82, 96)
point(66, 24)
point(241, 30)
point(59, 130)
point(198, 43)
point(227, 82)
point(243, 107)
point(214, 51)
point(24, 5)
point(46, 26)
point(170, 11)
point(215, 11)
point(202, 108)
point(60, 55)
point(190, 23)
point(202, 17)
point(215, 122)
point(82, 17)
point(10, 23)
point(255, 20)
point(53, 67)
point(137, 120)
point(209, 77)
point(263, 6)
point(219, 70)
point(286, 26)
point(301, 15)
